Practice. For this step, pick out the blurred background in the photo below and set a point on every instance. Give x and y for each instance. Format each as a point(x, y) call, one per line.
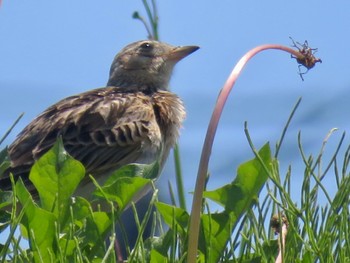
point(53, 49)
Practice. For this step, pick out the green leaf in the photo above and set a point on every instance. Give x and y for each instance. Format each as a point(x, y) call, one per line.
point(68, 246)
point(217, 229)
point(128, 183)
point(307, 257)
point(56, 175)
point(81, 208)
point(236, 198)
point(174, 216)
point(270, 248)
point(39, 224)
point(94, 234)
point(102, 222)
point(158, 247)
point(91, 228)
point(123, 190)
point(157, 257)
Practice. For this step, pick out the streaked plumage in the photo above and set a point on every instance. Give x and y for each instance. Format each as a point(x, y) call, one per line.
point(133, 119)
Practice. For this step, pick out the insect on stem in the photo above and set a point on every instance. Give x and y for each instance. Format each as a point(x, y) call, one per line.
point(306, 57)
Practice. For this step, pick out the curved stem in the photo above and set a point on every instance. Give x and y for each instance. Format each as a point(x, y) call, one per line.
point(209, 139)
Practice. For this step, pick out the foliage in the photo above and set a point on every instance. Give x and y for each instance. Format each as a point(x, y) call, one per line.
point(62, 228)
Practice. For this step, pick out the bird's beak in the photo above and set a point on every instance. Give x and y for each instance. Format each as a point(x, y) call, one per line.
point(179, 53)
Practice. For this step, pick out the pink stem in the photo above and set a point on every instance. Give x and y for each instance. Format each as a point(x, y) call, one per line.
point(208, 143)
point(279, 258)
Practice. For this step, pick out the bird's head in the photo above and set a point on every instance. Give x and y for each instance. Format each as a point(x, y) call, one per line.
point(146, 63)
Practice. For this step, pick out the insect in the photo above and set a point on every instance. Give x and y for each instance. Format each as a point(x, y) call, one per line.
point(306, 58)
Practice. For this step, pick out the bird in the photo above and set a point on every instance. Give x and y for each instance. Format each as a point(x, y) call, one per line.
point(133, 119)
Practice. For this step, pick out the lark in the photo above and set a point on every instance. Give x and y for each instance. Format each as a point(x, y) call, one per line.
point(134, 119)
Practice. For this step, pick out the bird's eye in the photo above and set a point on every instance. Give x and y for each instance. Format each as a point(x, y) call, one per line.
point(146, 46)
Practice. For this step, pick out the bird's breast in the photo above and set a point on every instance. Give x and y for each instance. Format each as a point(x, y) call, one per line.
point(170, 113)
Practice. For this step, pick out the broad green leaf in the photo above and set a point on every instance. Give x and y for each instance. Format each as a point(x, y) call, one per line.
point(68, 246)
point(128, 183)
point(270, 248)
point(161, 245)
point(39, 224)
point(217, 229)
point(81, 208)
point(307, 257)
point(94, 234)
point(157, 257)
point(56, 175)
point(236, 198)
point(91, 227)
point(102, 222)
point(174, 216)
point(123, 190)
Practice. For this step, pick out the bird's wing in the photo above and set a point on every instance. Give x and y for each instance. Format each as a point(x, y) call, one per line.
point(103, 128)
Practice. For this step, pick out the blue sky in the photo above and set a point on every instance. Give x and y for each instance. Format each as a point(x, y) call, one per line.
point(52, 49)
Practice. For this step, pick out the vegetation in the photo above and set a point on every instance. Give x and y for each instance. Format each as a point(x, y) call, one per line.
point(62, 228)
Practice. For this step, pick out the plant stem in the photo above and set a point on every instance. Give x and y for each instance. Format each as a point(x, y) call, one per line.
point(13, 125)
point(152, 30)
point(153, 18)
point(282, 244)
point(209, 139)
point(179, 180)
